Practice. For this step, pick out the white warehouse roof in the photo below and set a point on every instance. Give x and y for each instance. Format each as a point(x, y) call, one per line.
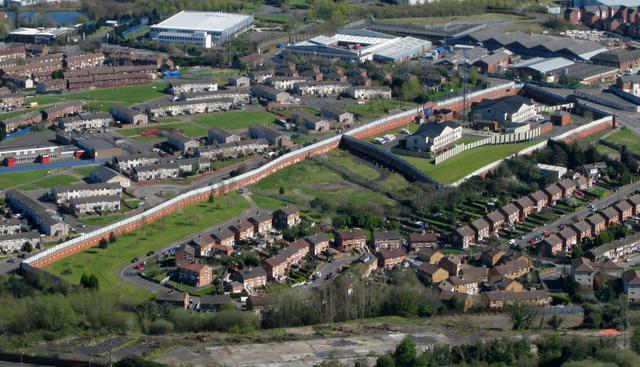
point(187, 20)
point(543, 65)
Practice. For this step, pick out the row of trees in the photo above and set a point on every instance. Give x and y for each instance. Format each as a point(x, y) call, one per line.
point(349, 297)
point(552, 351)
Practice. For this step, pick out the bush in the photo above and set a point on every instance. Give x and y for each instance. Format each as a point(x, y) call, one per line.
point(160, 327)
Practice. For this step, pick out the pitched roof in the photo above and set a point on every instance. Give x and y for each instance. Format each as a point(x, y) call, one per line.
point(582, 265)
point(423, 237)
point(435, 129)
point(632, 277)
point(494, 296)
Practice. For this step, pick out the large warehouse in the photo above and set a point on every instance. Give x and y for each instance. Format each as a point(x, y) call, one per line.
point(204, 29)
point(360, 45)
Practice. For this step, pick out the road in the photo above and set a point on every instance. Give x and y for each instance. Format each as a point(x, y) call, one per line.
point(130, 275)
point(568, 219)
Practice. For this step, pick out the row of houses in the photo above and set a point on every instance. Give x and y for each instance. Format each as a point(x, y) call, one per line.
point(47, 115)
point(220, 241)
point(564, 240)
point(517, 211)
point(49, 222)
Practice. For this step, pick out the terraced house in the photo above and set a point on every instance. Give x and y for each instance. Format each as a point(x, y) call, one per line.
point(85, 122)
point(92, 204)
point(64, 194)
point(177, 108)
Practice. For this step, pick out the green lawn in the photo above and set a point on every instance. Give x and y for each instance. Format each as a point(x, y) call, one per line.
point(101, 98)
point(376, 108)
point(354, 165)
point(464, 163)
point(34, 179)
point(626, 137)
point(55, 180)
point(104, 263)
point(235, 120)
point(307, 180)
point(85, 171)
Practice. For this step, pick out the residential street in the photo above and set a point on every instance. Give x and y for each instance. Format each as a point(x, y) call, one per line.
point(568, 219)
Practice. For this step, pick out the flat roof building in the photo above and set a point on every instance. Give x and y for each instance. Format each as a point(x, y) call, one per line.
point(207, 29)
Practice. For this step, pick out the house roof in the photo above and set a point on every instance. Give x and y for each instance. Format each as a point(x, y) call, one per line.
point(215, 300)
point(494, 216)
point(392, 253)
point(595, 218)
point(479, 224)
point(553, 189)
point(463, 280)
point(538, 196)
point(582, 265)
point(256, 272)
point(511, 267)
point(435, 129)
point(387, 236)
point(617, 56)
point(510, 209)
point(465, 231)
point(351, 234)
point(506, 105)
point(610, 212)
point(317, 238)
point(622, 206)
point(524, 202)
point(567, 233)
point(429, 268)
point(632, 277)
point(423, 237)
point(494, 296)
point(553, 239)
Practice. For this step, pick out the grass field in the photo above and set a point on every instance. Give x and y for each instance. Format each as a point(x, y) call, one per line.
point(626, 137)
point(34, 179)
point(103, 98)
point(459, 18)
point(234, 120)
point(376, 108)
point(85, 171)
point(198, 127)
point(345, 159)
point(464, 163)
point(104, 263)
point(307, 180)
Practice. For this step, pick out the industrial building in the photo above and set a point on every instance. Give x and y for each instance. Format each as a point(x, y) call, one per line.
point(204, 29)
point(360, 45)
point(533, 45)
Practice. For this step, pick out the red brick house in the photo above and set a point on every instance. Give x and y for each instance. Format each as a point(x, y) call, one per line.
point(352, 239)
point(540, 200)
point(511, 213)
point(199, 275)
point(418, 241)
point(597, 222)
point(389, 259)
point(526, 206)
point(242, 230)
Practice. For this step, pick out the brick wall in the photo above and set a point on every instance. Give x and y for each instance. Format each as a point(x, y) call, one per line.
point(375, 128)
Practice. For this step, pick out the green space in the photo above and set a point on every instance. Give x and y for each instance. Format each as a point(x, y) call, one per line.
point(220, 75)
point(464, 163)
point(34, 179)
point(85, 171)
point(307, 180)
point(626, 137)
point(198, 127)
point(101, 220)
point(346, 160)
point(55, 180)
point(235, 120)
point(105, 97)
point(457, 18)
point(376, 108)
point(104, 263)
point(468, 139)
point(137, 33)
point(220, 164)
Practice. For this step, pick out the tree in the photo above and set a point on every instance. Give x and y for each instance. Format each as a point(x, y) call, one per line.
point(555, 322)
point(385, 361)
point(405, 353)
point(361, 362)
point(89, 282)
point(27, 247)
point(521, 315)
point(112, 237)
point(281, 191)
point(211, 198)
point(103, 243)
